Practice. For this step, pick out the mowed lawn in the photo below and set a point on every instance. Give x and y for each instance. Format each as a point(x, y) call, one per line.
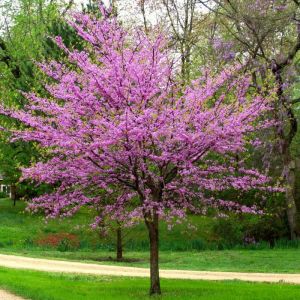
point(266, 261)
point(20, 232)
point(50, 286)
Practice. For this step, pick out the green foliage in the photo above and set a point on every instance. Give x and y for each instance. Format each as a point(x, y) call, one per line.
point(64, 245)
point(229, 232)
point(250, 231)
point(21, 44)
point(3, 195)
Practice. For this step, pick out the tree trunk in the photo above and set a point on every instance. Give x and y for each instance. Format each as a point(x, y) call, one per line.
point(297, 191)
point(289, 174)
point(13, 192)
point(154, 256)
point(286, 115)
point(119, 244)
point(291, 209)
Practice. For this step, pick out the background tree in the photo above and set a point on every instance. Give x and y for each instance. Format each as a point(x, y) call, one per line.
point(24, 40)
point(267, 35)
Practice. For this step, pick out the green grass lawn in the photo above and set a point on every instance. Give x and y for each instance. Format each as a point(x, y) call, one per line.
point(268, 261)
point(50, 286)
point(20, 231)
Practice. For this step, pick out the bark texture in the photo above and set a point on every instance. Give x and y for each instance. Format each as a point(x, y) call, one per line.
point(154, 255)
point(286, 133)
point(119, 244)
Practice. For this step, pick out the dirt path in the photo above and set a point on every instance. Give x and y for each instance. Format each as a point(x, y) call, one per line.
point(19, 262)
point(8, 296)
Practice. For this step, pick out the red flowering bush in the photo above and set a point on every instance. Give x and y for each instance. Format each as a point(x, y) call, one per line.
point(59, 240)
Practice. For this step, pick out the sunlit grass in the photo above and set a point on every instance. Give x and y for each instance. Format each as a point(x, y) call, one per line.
point(49, 286)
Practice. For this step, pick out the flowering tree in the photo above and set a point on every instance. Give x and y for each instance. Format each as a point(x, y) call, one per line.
point(115, 120)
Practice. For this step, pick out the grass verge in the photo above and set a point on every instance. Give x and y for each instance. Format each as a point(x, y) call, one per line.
point(49, 286)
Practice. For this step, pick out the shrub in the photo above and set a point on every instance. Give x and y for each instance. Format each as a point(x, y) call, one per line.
point(228, 232)
point(3, 195)
point(60, 241)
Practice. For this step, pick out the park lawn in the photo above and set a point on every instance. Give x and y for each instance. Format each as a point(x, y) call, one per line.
point(19, 232)
point(267, 261)
point(54, 286)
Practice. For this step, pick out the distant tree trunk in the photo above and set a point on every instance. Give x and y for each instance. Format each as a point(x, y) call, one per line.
point(119, 244)
point(291, 208)
point(286, 136)
point(152, 226)
point(182, 24)
point(297, 191)
point(13, 192)
point(143, 11)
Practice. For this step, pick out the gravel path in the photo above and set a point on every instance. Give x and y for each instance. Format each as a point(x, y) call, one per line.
point(19, 262)
point(8, 296)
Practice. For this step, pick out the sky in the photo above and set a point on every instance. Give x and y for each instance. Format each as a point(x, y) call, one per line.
point(127, 12)
point(79, 2)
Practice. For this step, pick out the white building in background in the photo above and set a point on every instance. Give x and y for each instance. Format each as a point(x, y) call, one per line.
point(4, 188)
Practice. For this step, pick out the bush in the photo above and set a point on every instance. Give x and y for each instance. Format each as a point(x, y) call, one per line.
point(3, 195)
point(267, 228)
point(60, 241)
point(28, 242)
point(64, 245)
point(228, 232)
point(251, 231)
